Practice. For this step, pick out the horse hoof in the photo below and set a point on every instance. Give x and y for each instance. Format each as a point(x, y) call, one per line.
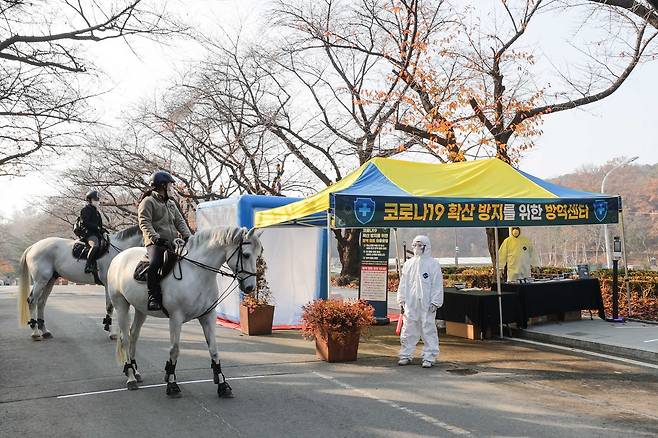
point(138, 377)
point(36, 337)
point(224, 391)
point(132, 385)
point(47, 335)
point(113, 337)
point(173, 390)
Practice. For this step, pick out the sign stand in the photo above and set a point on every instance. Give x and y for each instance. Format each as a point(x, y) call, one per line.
point(373, 275)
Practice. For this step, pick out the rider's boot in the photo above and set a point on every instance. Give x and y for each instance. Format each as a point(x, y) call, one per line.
point(90, 266)
point(155, 293)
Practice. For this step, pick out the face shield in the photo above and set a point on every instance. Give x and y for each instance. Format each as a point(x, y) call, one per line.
point(421, 246)
point(418, 248)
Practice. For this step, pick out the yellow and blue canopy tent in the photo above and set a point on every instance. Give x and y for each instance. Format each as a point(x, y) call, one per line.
point(390, 193)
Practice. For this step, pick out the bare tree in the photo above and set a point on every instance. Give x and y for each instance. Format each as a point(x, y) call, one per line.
point(329, 105)
point(646, 10)
point(43, 104)
point(211, 156)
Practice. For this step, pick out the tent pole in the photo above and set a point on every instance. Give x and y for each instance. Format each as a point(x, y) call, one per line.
point(498, 287)
point(328, 254)
point(623, 248)
point(397, 252)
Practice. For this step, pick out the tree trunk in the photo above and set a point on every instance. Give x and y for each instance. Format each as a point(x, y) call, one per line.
point(503, 233)
point(348, 252)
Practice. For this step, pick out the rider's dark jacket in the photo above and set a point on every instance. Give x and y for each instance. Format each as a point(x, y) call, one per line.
point(92, 222)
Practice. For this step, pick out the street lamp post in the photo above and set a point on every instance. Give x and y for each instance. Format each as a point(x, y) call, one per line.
point(608, 256)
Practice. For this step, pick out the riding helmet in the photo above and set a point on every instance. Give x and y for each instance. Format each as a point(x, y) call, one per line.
point(160, 178)
point(92, 194)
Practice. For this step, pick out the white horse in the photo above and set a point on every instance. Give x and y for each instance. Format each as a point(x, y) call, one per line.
point(194, 296)
point(51, 258)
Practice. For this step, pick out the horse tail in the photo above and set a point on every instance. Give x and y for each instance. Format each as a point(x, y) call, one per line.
point(23, 289)
point(121, 353)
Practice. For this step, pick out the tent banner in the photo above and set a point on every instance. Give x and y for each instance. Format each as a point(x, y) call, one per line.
point(353, 211)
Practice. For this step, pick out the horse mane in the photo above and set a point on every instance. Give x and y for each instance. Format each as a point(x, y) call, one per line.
point(127, 233)
point(217, 236)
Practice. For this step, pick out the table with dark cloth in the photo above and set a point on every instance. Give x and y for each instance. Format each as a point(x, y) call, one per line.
point(552, 297)
point(478, 307)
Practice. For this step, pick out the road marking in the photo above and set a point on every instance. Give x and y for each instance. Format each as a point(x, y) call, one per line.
point(591, 353)
point(651, 340)
point(157, 385)
point(426, 418)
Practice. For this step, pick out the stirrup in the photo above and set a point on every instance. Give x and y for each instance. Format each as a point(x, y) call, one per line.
point(153, 305)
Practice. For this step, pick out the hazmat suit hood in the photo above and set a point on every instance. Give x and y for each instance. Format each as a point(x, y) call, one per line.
point(426, 250)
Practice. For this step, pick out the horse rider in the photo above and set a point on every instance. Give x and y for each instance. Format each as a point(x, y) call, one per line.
point(92, 224)
point(160, 220)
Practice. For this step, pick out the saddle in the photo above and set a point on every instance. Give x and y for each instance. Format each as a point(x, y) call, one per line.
point(142, 267)
point(81, 248)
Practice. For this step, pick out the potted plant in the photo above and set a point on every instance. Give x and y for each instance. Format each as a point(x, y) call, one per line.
point(256, 312)
point(336, 327)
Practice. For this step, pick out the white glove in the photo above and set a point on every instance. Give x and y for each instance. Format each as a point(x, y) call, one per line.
point(433, 308)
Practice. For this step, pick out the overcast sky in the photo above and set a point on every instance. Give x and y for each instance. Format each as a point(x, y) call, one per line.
point(624, 124)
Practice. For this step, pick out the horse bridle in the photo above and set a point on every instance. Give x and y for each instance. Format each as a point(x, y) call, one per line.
point(240, 265)
point(239, 275)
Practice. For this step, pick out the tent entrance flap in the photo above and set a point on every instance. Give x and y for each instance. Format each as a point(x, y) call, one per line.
point(355, 211)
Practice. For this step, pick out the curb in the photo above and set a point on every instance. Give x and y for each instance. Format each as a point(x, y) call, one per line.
point(613, 350)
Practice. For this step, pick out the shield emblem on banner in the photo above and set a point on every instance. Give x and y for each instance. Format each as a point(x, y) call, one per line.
point(364, 210)
point(600, 210)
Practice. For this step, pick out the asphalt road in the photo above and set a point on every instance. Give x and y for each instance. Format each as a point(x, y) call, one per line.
point(71, 386)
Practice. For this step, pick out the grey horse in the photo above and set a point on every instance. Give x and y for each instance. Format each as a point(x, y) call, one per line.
point(192, 294)
point(50, 258)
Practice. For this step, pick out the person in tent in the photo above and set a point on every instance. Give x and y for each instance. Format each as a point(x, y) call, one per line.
point(518, 254)
point(420, 294)
point(91, 229)
point(160, 221)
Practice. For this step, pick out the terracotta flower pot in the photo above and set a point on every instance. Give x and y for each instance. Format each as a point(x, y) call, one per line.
point(257, 322)
point(332, 348)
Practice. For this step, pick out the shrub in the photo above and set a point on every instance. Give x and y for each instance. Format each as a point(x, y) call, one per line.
point(339, 317)
point(262, 296)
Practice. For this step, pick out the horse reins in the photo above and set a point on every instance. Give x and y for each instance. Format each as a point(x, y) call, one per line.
point(231, 287)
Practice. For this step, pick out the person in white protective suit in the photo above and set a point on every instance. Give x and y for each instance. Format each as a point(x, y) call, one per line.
point(518, 254)
point(420, 294)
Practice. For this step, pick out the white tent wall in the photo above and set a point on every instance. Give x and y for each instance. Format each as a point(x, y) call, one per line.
point(293, 256)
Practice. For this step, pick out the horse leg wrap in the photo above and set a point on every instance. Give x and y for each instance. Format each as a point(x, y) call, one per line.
point(128, 366)
point(41, 324)
point(107, 322)
point(32, 323)
point(170, 369)
point(216, 372)
point(223, 388)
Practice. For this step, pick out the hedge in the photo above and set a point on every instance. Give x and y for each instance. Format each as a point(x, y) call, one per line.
point(643, 286)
